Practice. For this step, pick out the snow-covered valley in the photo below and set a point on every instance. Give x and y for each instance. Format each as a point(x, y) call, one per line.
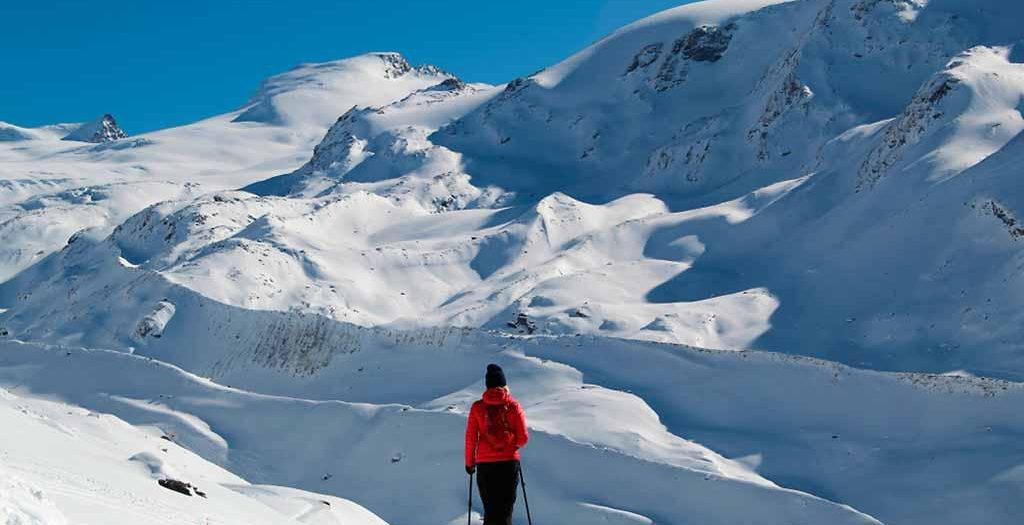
point(745, 261)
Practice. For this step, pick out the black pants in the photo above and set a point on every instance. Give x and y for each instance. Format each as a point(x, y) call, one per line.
point(498, 483)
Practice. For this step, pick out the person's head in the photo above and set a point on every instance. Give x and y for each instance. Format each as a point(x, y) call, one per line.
point(495, 377)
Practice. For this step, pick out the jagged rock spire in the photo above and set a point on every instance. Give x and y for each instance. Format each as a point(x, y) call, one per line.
point(103, 129)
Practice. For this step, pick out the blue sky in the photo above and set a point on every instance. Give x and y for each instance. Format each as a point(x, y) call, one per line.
point(160, 63)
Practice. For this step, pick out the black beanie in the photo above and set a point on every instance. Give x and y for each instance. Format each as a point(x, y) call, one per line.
point(495, 376)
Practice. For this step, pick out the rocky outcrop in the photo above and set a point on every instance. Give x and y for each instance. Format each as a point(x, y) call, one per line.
point(862, 10)
point(451, 84)
point(395, 65)
point(706, 43)
point(703, 44)
point(99, 131)
point(645, 57)
point(181, 487)
point(522, 324)
point(1013, 226)
point(907, 129)
point(518, 85)
point(341, 148)
point(683, 158)
point(786, 95)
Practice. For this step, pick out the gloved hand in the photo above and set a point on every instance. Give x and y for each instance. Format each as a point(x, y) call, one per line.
point(470, 470)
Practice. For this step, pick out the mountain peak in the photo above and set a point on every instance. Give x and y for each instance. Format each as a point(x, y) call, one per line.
point(103, 129)
point(449, 84)
point(319, 92)
point(395, 65)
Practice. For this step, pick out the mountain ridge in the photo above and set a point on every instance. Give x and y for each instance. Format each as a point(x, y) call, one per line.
point(713, 249)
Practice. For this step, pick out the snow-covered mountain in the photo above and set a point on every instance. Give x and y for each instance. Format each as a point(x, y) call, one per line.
point(52, 188)
point(99, 131)
point(826, 178)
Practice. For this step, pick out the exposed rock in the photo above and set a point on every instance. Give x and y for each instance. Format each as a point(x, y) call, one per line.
point(518, 85)
point(922, 113)
point(101, 130)
point(790, 94)
point(707, 43)
point(395, 65)
point(341, 149)
point(1012, 224)
point(523, 324)
point(684, 157)
point(451, 84)
point(181, 487)
point(579, 313)
point(647, 56)
point(703, 44)
point(861, 10)
point(430, 70)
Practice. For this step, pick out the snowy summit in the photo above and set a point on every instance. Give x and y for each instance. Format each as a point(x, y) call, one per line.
point(103, 129)
point(743, 261)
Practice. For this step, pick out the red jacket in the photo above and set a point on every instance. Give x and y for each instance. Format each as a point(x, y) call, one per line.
point(496, 429)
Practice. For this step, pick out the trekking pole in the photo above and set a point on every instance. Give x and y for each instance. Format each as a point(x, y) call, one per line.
point(469, 513)
point(526, 500)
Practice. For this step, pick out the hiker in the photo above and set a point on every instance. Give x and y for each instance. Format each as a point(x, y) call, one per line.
point(494, 434)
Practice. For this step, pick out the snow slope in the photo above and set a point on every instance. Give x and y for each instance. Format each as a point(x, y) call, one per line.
point(68, 465)
point(930, 444)
point(387, 456)
point(435, 208)
point(865, 439)
point(834, 179)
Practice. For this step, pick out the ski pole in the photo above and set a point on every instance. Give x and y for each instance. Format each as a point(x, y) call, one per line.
point(526, 500)
point(469, 513)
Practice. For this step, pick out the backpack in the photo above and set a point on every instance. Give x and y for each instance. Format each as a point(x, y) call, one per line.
point(498, 429)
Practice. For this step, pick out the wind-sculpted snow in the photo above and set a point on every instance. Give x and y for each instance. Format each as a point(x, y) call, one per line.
point(433, 207)
point(570, 264)
point(316, 92)
point(388, 143)
point(381, 455)
point(833, 179)
point(42, 224)
point(701, 99)
point(297, 354)
point(223, 152)
point(67, 464)
point(963, 115)
point(889, 462)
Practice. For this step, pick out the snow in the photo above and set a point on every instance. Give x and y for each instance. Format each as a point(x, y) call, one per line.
point(222, 152)
point(101, 130)
point(23, 504)
point(677, 241)
point(66, 464)
point(367, 451)
point(743, 404)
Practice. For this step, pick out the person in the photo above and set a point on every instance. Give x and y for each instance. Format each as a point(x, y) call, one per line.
point(495, 432)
